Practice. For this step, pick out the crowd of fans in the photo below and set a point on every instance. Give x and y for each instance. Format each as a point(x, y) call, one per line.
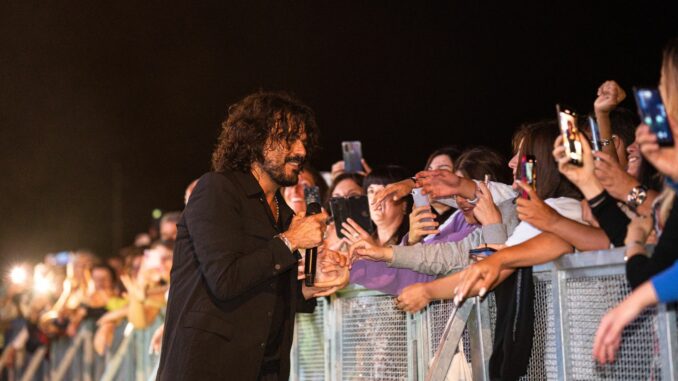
point(421, 254)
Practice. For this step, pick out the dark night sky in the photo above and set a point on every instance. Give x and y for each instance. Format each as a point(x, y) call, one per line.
point(87, 88)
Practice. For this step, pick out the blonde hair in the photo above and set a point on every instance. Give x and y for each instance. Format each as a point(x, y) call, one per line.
point(669, 73)
point(665, 204)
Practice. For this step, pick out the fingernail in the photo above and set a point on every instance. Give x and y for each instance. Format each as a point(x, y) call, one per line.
point(482, 292)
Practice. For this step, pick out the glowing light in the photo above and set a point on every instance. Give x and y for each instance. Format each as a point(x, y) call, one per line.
point(42, 285)
point(157, 213)
point(18, 275)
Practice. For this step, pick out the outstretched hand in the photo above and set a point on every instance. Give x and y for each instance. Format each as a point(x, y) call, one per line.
point(395, 191)
point(482, 275)
point(439, 183)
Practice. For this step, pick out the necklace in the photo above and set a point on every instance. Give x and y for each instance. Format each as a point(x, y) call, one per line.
point(277, 208)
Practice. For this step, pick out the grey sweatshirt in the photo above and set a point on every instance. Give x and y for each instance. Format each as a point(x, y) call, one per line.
point(442, 258)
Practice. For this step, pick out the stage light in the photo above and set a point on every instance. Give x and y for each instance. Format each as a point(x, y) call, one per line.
point(18, 275)
point(157, 213)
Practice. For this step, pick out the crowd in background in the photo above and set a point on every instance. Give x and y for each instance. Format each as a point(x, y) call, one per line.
point(621, 195)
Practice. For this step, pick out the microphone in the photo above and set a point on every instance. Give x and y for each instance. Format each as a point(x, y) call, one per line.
point(312, 196)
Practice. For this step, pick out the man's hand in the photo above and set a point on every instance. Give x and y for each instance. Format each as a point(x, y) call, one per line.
point(439, 183)
point(534, 210)
point(610, 95)
point(486, 212)
point(327, 282)
point(306, 232)
point(395, 191)
point(413, 298)
point(419, 228)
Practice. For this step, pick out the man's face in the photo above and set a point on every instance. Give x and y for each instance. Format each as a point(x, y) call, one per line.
point(168, 231)
point(284, 163)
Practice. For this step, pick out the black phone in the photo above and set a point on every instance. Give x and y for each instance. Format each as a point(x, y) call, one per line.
point(567, 119)
point(353, 155)
point(313, 200)
point(356, 208)
point(653, 113)
point(595, 135)
point(528, 172)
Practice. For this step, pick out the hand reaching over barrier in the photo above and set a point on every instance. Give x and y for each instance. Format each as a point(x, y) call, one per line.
point(413, 297)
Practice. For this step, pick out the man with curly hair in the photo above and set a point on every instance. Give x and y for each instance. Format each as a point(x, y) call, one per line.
point(234, 288)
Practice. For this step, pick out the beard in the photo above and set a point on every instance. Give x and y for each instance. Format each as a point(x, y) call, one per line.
point(277, 171)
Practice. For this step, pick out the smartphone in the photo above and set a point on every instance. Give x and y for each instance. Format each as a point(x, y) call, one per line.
point(528, 172)
point(568, 127)
point(356, 208)
point(421, 200)
point(353, 155)
point(480, 253)
point(595, 135)
point(313, 200)
point(652, 112)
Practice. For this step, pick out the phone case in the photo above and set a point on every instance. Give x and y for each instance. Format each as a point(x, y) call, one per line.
point(356, 208)
point(352, 153)
point(653, 113)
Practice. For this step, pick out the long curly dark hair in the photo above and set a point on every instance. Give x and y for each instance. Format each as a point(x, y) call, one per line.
point(258, 117)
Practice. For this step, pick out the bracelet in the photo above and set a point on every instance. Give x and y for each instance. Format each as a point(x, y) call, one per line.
point(607, 142)
point(286, 241)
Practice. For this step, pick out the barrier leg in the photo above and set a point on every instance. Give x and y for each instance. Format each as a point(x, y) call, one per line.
point(449, 342)
point(481, 339)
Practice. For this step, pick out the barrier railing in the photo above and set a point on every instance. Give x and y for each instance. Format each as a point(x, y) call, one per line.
point(370, 339)
point(360, 335)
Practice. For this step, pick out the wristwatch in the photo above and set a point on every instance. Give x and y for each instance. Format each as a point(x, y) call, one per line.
point(636, 197)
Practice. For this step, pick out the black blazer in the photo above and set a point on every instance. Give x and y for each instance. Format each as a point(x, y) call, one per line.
point(226, 270)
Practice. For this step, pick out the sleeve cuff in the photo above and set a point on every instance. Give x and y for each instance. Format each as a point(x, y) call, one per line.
point(399, 255)
point(494, 234)
point(282, 258)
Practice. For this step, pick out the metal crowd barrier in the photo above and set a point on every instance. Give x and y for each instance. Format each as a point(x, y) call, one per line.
point(369, 339)
point(74, 359)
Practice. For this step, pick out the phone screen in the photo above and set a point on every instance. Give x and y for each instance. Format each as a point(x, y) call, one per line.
point(528, 172)
point(595, 134)
point(353, 154)
point(568, 127)
point(652, 112)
